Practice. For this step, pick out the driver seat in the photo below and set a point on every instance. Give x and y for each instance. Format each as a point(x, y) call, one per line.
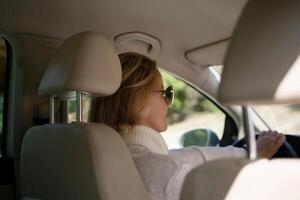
point(79, 160)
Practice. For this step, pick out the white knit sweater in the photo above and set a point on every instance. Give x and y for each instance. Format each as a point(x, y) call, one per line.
point(163, 171)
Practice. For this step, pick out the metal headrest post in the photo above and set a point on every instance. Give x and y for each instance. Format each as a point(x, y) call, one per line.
point(51, 110)
point(78, 106)
point(250, 134)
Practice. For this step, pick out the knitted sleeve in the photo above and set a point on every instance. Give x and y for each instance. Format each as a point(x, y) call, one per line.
point(213, 153)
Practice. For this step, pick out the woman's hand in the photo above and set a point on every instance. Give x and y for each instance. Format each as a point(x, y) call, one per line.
point(268, 142)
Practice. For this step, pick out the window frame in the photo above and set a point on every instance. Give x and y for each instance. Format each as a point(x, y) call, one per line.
point(6, 98)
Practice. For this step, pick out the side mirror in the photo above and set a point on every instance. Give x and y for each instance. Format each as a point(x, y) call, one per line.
point(200, 137)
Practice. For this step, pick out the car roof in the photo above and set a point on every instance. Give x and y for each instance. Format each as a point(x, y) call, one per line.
point(188, 24)
point(179, 26)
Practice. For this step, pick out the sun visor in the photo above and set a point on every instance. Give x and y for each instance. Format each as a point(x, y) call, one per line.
point(262, 64)
point(212, 54)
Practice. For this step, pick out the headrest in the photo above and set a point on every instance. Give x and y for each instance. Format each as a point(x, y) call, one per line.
point(262, 64)
point(86, 62)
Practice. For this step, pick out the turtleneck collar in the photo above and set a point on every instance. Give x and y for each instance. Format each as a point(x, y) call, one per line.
point(145, 136)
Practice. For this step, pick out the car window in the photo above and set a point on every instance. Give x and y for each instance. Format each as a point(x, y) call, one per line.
point(283, 118)
point(217, 68)
point(71, 109)
point(192, 117)
point(3, 56)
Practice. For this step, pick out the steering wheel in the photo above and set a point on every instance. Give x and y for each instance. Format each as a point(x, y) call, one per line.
point(285, 151)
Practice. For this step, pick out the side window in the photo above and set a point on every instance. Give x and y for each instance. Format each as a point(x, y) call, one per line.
point(192, 119)
point(3, 78)
point(71, 109)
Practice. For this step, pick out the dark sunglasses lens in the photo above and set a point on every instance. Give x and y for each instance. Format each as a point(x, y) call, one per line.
point(169, 95)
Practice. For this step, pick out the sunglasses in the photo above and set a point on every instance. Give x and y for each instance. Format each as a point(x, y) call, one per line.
point(168, 94)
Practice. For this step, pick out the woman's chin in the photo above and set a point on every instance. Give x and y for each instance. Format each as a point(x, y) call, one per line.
point(164, 128)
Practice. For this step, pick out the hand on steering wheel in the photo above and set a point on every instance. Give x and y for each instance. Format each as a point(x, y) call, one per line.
point(268, 143)
point(271, 144)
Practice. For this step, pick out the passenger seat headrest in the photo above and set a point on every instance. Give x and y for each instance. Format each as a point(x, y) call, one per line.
point(262, 65)
point(86, 62)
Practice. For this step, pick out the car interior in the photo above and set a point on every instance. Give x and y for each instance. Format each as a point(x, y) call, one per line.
point(55, 52)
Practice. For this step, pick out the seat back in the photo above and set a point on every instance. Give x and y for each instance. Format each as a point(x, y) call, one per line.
point(79, 160)
point(234, 179)
point(212, 180)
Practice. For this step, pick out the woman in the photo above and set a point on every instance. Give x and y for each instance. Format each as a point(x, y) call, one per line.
point(138, 111)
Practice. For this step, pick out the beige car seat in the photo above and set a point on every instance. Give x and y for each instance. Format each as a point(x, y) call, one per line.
point(235, 179)
point(79, 160)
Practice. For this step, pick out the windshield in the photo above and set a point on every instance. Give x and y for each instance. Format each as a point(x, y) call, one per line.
point(282, 118)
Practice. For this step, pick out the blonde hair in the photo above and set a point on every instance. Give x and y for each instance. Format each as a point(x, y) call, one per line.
point(124, 106)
